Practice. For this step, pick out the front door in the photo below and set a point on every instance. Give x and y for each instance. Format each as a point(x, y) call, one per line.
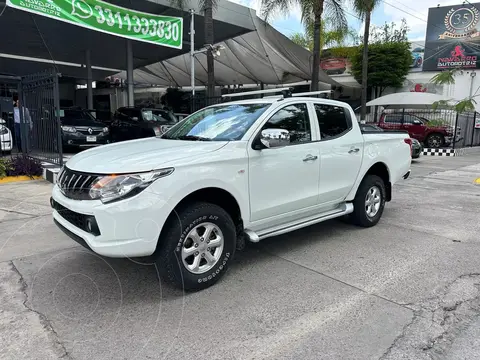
point(285, 179)
point(414, 126)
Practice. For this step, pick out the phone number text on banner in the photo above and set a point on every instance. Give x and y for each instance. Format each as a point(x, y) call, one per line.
point(115, 20)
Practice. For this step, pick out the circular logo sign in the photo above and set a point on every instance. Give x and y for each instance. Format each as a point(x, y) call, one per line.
point(462, 19)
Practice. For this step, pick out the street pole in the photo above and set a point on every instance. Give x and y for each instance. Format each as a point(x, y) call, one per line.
point(130, 90)
point(192, 51)
point(88, 63)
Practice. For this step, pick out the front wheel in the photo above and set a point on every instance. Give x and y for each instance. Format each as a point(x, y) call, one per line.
point(197, 246)
point(369, 201)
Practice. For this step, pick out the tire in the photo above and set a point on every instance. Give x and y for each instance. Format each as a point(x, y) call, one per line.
point(178, 238)
point(435, 141)
point(360, 214)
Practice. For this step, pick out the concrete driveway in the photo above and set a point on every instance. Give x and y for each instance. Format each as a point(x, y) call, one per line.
point(405, 289)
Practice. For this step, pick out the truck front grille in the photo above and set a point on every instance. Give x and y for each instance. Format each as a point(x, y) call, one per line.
point(75, 185)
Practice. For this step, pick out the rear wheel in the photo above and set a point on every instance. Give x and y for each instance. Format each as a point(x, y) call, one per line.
point(369, 201)
point(435, 141)
point(197, 246)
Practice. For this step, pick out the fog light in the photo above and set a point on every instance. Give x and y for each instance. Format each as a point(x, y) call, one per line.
point(91, 226)
point(52, 203)
point(70, 142)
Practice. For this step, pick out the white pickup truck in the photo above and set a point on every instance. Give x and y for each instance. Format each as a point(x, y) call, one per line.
point(242, 170)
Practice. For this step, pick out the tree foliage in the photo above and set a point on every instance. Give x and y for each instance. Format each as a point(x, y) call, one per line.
point(388, 33)
point(388, 64)
point(331, 35)
point(447, 77)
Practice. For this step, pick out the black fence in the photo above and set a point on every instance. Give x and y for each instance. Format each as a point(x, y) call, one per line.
point(39, 110)
point(434, 128)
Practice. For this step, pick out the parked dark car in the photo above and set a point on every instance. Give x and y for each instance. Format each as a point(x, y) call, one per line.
point(135, 123)
point(417, 149)
point(81, 129)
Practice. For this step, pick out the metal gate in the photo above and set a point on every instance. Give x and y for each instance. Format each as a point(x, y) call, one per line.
point(39, 110)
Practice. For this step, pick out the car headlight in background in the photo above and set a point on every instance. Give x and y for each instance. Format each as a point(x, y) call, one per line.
point(157, 131)
point(69, 129)
point(117, 187)
point(3, 130)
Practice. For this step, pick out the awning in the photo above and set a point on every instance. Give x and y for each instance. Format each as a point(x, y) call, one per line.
point(408, 100)
point(261, 56)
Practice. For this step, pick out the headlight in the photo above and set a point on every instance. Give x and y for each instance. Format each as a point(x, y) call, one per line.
point(105, 130)
point(116, 187)
point(3, 130)
point(69, 129)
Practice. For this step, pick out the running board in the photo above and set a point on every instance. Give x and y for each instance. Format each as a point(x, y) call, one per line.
point(344, 209)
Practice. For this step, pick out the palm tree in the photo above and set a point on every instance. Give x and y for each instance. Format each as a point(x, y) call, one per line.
point(312, 12)
point(364, 9)
point(207, 7)
point(330, 36)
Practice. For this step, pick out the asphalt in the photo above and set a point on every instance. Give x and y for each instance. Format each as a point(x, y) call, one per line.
point(405, 289)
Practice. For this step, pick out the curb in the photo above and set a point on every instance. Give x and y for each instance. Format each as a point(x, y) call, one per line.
point(451, 152)
point(13, 179)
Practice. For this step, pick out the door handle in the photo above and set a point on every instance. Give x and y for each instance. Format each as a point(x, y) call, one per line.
point(354, 151)
point(310, 158)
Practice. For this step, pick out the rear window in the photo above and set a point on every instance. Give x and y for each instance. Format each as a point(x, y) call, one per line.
point(161, 116)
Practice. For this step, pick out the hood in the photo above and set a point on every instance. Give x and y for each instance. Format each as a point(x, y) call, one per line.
point(139, 155)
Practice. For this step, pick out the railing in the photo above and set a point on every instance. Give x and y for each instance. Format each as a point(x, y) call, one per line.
point(39, 111)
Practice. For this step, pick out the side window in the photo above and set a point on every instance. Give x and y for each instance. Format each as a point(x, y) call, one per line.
point(393, 119)
point(332, 120)
point(294, 119)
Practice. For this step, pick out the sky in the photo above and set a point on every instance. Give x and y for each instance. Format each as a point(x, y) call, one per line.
point(414, 11)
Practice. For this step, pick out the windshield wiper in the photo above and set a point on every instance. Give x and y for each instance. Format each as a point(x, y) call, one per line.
point(193, 137)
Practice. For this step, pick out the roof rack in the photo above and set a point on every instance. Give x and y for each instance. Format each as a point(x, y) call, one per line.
point(286, 92)
point(312, 93)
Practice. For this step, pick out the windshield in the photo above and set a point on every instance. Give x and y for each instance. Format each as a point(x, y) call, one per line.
point(162, 116)
point(218, 123)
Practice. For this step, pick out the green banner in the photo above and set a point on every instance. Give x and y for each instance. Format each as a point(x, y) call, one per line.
point(115, 20)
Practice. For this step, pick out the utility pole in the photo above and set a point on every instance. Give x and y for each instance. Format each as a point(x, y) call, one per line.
point(192, 51)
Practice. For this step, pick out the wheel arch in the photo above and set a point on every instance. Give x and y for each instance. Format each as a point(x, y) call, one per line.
point(214, 195)
point(379, 169)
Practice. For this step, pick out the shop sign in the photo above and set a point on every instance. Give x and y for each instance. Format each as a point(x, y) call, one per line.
point(108, 18)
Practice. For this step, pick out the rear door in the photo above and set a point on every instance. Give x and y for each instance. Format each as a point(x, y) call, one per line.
point(341, 152)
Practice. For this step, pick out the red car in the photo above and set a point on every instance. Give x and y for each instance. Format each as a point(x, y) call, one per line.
point(431, 135)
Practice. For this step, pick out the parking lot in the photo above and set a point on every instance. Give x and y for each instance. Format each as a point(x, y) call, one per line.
point(408, 288)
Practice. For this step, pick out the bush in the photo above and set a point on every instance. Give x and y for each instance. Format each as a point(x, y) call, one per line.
point(22, 165)
point(5, 167)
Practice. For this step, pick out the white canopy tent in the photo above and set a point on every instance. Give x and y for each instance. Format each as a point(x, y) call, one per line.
point(408, 100)
point(261, 56)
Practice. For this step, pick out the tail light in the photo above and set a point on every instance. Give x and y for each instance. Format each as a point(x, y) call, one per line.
point(410, 143)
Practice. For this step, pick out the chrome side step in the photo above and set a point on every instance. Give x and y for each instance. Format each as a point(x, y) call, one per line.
point(253, 236)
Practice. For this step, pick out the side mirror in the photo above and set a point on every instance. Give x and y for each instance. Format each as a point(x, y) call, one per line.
point(135, 118)
point(272, 138)
point(417, 122)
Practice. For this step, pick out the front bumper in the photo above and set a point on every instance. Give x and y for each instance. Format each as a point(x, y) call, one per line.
point(127, 228)
point(79, 139)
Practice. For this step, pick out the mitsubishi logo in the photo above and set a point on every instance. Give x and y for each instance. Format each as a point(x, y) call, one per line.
point(90, 131)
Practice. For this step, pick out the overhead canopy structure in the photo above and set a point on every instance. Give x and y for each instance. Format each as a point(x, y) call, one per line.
point(408, 100)
point(38, 37)
point(261, 56)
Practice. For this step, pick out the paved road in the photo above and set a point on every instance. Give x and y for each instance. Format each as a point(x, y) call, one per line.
point(405, 289)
